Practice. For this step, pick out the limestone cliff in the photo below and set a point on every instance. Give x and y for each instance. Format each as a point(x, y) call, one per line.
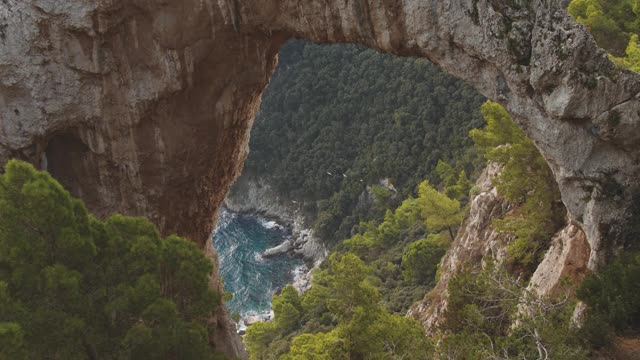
point(145, 106)
point(477, 242)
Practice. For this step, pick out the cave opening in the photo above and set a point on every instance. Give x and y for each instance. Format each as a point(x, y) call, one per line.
point(65, 156)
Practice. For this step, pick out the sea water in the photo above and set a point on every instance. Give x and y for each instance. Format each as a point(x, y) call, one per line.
point(240, 241)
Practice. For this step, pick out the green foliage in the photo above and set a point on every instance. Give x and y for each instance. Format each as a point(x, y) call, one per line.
point(613, 299)
point(287, 309)
point(74, 287)
point(490, 314)
point(632, 58)
point(405, 269)
point(440, 211)
point(455, 187)
point(420, 261)
point(342, 318)
point(382, 197)
point(526, 181)
point(258, 338)
point(320, 346)
point(615, 25)
point(350, 110)
point(348, 282)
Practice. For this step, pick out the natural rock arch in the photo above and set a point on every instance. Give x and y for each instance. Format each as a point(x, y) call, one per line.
point(162, 93)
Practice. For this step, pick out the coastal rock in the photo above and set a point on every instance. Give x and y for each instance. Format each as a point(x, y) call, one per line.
point(283, 248)
point(144, 107)
point(476, 243)
point(302, 279)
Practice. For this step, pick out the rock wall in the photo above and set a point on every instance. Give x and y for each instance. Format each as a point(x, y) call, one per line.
point(145, 106)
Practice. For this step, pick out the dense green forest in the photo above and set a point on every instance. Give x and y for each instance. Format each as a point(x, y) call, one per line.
point(74, 287)
point(615, 25)
point(335, 119)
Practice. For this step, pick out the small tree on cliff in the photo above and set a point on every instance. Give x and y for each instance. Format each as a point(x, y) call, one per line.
point(440, 211)
point(420, 261)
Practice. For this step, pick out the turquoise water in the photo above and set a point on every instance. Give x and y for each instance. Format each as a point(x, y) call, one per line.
point(240, 240)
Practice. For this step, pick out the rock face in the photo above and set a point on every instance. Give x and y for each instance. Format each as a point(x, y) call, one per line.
point(145, 106)
point(477, 242)
point(567, 258)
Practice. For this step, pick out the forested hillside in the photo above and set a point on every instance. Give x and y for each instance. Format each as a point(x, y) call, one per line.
point(393, 258)
point(335, 119)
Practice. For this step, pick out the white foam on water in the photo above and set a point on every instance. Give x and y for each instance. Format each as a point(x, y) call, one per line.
point(269, 224)
point(258, 257)
point(225, 218)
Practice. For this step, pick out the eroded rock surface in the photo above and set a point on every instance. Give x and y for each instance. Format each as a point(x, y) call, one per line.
point(566, 260)
point(145, 106)
point(477, 243)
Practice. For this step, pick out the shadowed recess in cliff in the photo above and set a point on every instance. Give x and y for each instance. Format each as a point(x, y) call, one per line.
point(64, 157)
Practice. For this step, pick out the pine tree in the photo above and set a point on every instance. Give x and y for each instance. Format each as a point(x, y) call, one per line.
point(440, 211)
point(74, 287)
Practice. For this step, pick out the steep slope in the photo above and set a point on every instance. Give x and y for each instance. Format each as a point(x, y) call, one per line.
point(336, 119)
point(477, 243)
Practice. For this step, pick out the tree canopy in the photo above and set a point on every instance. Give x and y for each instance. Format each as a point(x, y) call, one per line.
point(75, 287)
point(615, 25)
point(342, 319)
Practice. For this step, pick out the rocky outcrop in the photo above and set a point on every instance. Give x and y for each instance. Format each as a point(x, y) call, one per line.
point(145, 106)
point(566, 259)
point(477, 242)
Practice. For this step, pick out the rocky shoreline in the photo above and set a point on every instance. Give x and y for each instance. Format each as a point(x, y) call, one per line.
point(256, 197)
